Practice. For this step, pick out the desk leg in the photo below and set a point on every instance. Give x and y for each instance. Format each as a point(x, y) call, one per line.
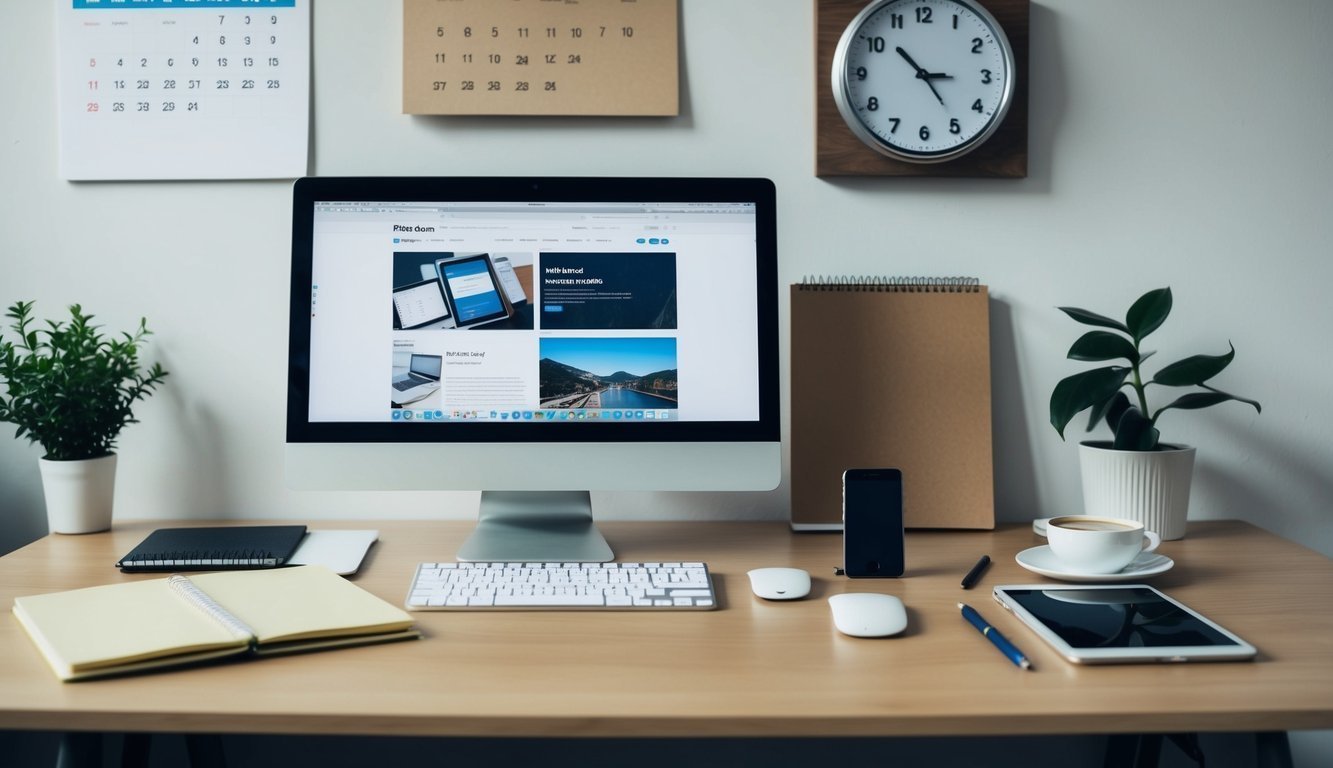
point(1140, 750)
point(205, 750)
point(134, 751)
point(1272, 749)
point(80, 749)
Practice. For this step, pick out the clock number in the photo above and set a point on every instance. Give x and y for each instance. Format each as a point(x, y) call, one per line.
point(895, 21)
point(894, 128)
point(876, 44)
point(924, 133)
point(976, 45)
point(955, 21)
point(954, 127)
point(872, 104)
point(923, 15)
point(861, 73)
point(976, 106)
point(985, 76)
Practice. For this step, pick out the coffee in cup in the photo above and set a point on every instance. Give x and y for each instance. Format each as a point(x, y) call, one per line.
point(1098, 545)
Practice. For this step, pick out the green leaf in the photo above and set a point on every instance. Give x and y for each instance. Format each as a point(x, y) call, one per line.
point(1148, 313)
point(1194, 370)
point(1111, 410)
point(1134, 432)
point(1103, 345)
point(1092, 318)
point(1196, 400)
point(1083, 390)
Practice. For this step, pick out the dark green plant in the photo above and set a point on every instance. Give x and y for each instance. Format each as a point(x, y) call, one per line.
point(1101, 389)
point(69, 387)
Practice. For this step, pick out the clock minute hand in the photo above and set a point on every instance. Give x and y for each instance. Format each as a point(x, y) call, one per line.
point(915, 66)
point(921, 74)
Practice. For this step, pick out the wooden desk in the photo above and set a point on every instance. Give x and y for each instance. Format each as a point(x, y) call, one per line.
point(751, 668)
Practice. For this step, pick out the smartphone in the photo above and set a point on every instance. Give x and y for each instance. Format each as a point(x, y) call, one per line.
point(872, 523)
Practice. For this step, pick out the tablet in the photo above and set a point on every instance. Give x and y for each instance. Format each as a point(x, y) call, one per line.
point(473, 289)
point(1113, 623)
point(419, 305)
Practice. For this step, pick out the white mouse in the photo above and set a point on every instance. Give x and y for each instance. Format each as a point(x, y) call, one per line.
point(780, 583)
point(868, 614)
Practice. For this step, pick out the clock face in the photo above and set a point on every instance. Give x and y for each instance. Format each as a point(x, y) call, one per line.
point(923, 80)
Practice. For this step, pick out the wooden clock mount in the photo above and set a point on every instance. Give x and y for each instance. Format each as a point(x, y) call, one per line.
point(838, 152)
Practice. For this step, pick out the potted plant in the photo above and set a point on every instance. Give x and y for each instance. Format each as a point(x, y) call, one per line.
point(1135, 475)
point(70, 388)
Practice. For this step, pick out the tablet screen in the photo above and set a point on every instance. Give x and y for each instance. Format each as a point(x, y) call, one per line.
point(1128, 617)
point(419, 304)
point(473, 287)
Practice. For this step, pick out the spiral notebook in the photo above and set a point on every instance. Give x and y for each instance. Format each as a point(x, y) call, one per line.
point(214, 549)
point(892, 372)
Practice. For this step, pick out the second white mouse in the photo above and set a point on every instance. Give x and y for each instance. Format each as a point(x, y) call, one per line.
point(780, 583)
point(868, 614)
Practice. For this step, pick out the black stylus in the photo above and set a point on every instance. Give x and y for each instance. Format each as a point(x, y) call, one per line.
point(974, 574)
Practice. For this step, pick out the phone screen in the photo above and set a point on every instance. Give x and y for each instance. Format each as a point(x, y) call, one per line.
point(872, 512)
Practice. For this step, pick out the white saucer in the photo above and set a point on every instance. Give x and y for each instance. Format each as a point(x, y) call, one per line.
point(1039, 525)
point(1042, 560)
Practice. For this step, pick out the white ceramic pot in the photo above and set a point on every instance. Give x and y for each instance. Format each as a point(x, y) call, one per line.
point(1152, 487)
point(79, 494)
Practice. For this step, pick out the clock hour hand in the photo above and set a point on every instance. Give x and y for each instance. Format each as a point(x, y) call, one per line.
point(922, 74)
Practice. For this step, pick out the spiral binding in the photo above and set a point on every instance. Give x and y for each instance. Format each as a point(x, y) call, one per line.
point(200, 599)
point(886, 284)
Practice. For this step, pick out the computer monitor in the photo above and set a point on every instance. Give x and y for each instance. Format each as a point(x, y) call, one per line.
point(594, 333)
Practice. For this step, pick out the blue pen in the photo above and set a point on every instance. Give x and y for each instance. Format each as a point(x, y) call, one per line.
point(992, 634)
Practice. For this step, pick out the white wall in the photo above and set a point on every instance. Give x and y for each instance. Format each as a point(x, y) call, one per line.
point(1182, 144)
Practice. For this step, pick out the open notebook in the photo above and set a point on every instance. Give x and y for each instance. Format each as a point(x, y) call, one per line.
point(144, 625)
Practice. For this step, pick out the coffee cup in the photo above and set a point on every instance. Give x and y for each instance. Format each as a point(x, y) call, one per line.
point(1099, 545)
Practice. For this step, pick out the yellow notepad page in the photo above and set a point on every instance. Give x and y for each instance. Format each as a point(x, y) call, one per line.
point(99, 627)
point(308, 601)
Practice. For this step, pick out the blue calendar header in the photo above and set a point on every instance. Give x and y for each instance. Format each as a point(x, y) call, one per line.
point(122, 4)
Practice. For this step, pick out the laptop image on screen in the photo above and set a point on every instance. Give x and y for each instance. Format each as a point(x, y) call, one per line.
point(421, 379)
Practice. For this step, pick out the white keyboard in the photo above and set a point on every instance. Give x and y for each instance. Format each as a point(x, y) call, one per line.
point(561, 586)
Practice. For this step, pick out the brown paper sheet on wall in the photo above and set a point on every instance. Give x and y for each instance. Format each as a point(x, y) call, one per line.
point(888, 373)
point(537, 57)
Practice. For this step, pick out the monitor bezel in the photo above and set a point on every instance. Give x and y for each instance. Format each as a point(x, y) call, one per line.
point(308, 191)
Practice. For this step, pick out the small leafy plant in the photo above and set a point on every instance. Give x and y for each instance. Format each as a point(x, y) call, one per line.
point(1101, 389)
point(68, 387)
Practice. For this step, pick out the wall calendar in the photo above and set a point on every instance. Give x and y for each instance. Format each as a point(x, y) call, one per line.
point(540, 57)
point(183, 89)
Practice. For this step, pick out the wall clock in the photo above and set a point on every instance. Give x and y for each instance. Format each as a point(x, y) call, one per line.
point(922, 88)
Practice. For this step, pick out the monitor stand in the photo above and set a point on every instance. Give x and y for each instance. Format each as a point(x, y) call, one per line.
point(535, 526)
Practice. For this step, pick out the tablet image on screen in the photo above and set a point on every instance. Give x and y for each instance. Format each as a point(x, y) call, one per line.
point(420, 305)
point(1101, 624)
point(473, 290)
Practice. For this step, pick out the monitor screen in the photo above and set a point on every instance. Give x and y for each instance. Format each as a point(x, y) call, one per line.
point(632, 318)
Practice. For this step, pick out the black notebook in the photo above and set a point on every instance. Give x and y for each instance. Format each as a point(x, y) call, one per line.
point(214, 549)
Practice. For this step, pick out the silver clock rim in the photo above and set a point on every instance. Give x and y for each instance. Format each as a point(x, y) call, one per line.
point(842, 96)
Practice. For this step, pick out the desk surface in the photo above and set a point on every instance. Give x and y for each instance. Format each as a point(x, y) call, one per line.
point(750, 668)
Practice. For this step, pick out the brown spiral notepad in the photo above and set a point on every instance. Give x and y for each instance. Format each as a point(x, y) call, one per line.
point(892, 372)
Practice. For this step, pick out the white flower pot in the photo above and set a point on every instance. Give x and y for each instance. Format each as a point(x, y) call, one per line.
point(1152, 487)
point(79, 494)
